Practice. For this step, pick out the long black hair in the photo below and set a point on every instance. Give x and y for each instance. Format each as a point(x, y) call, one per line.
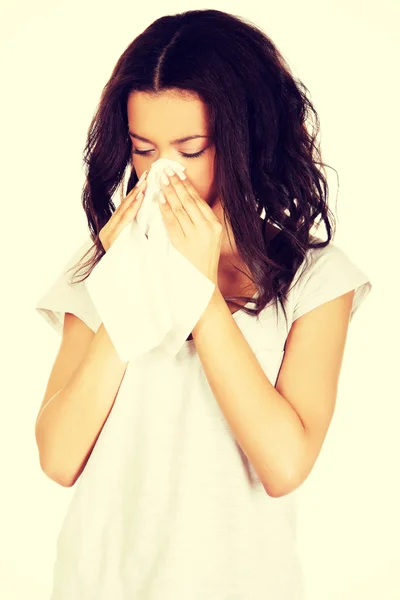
point(266, 160)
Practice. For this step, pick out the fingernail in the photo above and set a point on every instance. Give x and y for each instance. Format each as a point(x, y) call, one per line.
point(143, 175)
point(164, 179)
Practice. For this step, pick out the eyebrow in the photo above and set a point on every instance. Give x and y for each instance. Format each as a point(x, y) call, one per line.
point(174, 142)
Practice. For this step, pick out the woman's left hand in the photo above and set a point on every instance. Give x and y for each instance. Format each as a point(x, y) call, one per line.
point(193, 228)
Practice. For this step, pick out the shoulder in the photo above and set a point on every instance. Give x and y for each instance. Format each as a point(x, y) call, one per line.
point(327, 273)
point(65, 295)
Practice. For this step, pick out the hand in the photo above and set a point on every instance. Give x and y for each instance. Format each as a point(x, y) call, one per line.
point(193, 228)
point(124, 214)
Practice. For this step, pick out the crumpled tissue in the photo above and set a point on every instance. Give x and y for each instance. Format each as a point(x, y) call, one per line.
point(145, 291)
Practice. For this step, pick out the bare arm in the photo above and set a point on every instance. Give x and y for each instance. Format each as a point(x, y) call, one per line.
point(70, 422)
point(85, 378)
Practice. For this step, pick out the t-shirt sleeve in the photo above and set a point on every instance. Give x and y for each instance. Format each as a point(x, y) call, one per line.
point(63, 296)
point(328, 274)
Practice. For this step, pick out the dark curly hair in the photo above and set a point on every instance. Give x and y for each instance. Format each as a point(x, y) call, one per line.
point(266, 161)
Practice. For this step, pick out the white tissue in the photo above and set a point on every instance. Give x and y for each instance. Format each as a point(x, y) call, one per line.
point(147, 293)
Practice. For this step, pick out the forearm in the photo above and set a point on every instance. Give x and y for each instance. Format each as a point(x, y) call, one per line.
point(264, 424)
point(69, 425)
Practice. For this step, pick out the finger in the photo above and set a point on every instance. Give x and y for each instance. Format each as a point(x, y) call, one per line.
point(198, 205)
point(180, 199)
point(127, 215)
point(134, 206)
point(130, 203)
point(142, 178)
point(175, 205)
point(134, 196)
point(127, 210)
point(140, 185)
point(131, 195)
point(203, 206)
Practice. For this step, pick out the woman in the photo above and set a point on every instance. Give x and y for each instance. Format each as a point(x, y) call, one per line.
point(186, 469)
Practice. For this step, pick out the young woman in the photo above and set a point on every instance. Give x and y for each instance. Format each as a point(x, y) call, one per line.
point(186, 469)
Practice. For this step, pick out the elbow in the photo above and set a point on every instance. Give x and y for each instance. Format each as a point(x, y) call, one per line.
point(53, 474)
point(286, 483)
point(277, 491)
point(288, 475)
point(63, 481)
point(46, 461)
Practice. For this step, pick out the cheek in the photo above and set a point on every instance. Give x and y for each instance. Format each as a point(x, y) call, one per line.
point(135, 165)
point(203, 187)
point(202, 176)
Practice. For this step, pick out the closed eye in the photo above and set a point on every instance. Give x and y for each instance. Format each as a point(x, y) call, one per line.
point(145, 152)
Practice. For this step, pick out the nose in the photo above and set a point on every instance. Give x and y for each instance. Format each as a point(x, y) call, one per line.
point(163, 157)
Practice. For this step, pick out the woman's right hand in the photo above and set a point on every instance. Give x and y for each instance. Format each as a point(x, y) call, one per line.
point(124, 214)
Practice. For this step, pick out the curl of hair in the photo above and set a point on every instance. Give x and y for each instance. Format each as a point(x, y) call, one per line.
point(266, 160)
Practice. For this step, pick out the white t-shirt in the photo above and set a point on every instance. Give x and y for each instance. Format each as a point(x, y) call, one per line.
point(168, 507)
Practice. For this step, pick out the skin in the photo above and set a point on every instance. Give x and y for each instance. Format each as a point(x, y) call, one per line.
point(281, 429)
point(163, 118)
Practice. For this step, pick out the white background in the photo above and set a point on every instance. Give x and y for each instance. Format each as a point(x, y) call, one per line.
point(55, 59)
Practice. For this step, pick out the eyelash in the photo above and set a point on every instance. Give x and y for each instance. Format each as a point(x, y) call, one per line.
point(145, 152)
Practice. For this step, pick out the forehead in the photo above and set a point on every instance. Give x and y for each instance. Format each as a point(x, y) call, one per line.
point(167, 112)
